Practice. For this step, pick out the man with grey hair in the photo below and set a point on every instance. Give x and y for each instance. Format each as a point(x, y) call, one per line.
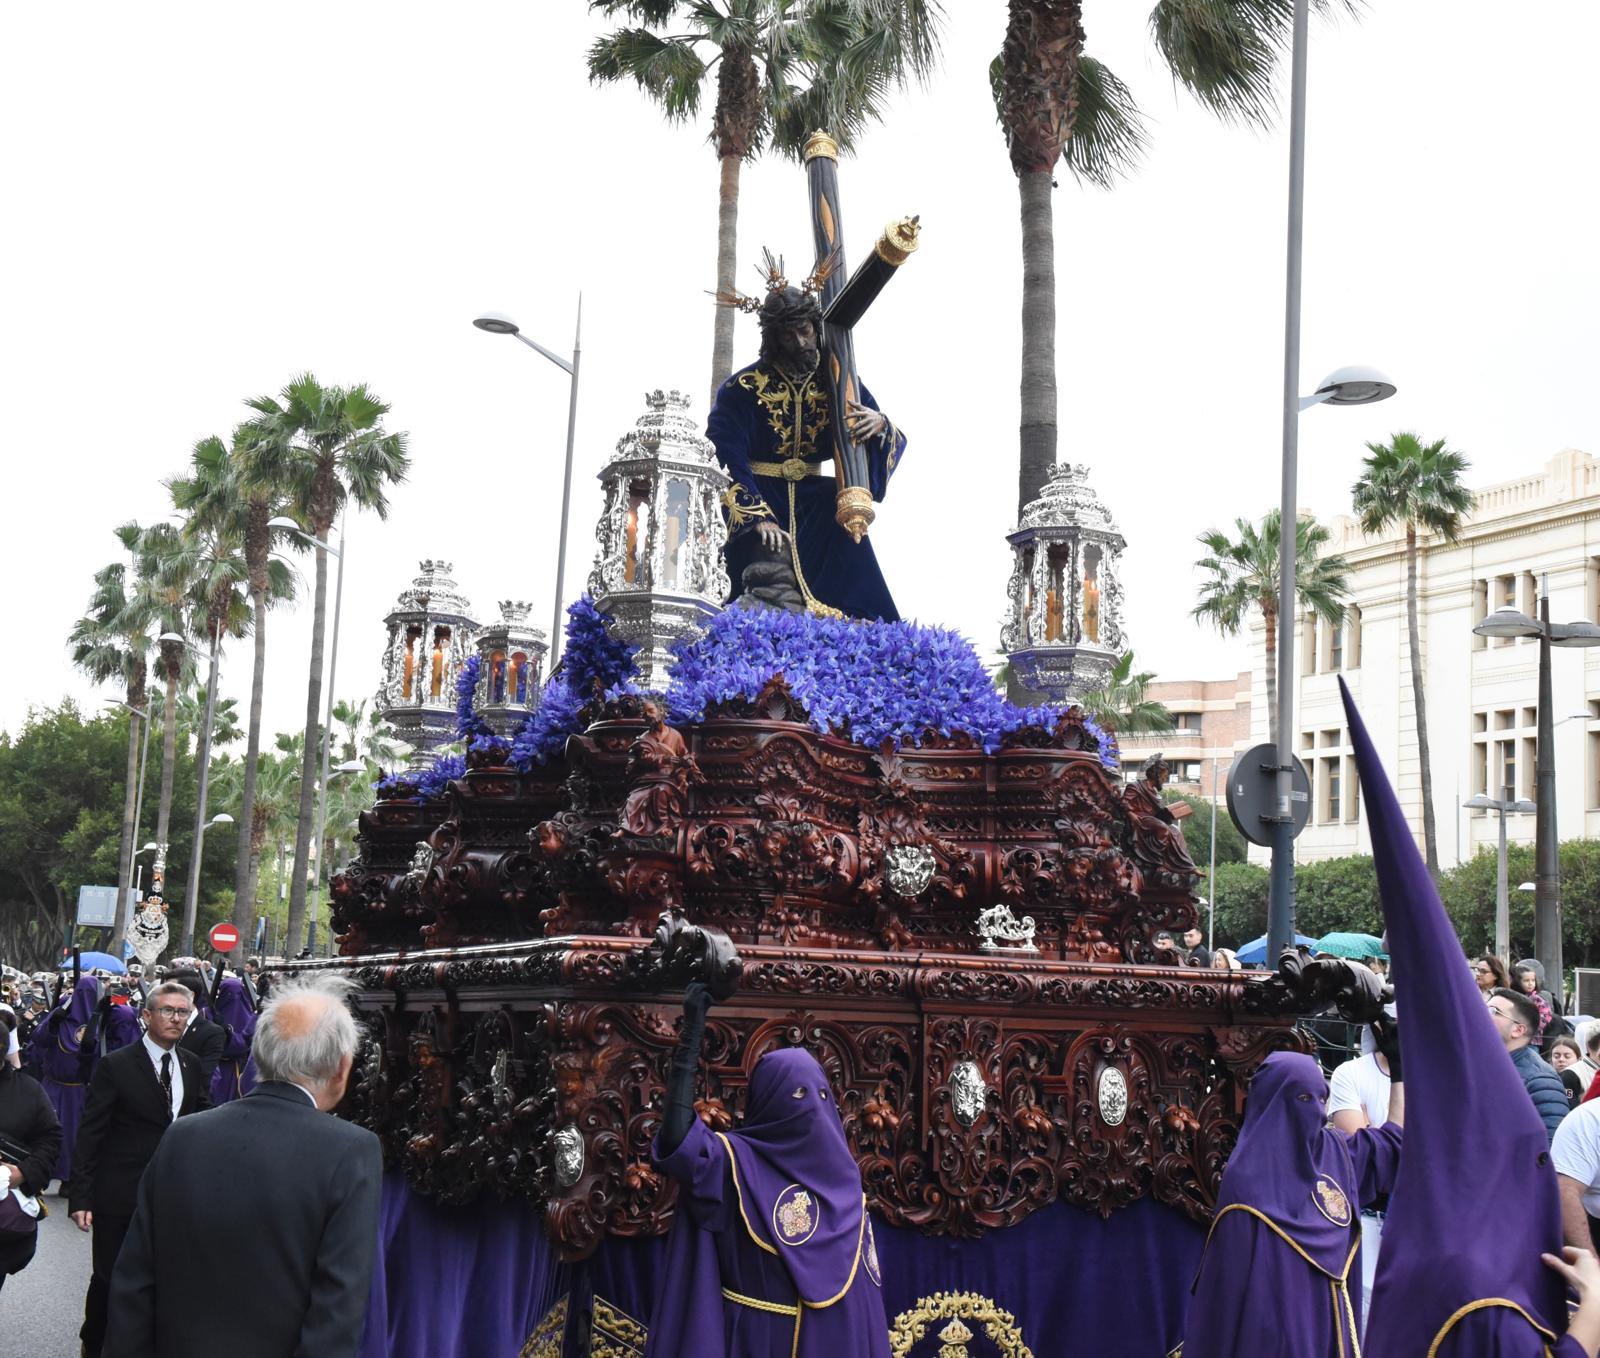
point(306, 1184)
point(135, 1098)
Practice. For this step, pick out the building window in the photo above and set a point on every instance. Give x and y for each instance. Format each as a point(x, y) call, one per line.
point(1352, 796)
point(1530, 765)
point(1332, 802)
point(1186, 723)
point(1352, 640)
point(1336, 646)
point(1507, 765)
point(1480, 611)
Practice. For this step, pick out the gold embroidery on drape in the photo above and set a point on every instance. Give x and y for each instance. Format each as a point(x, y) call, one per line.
point(545, 1341)
point(998, 1326)
point(616, 1333)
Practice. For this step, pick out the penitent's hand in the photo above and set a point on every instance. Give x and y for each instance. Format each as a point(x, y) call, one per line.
point(770, 536)
point(1582, 1272)
point(865, 423)
point(696, 1004)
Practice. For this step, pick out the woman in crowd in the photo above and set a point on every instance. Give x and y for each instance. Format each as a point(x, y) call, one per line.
point(30, 1133)
point(1570, 1065)
point(1224, 960)
point(1491, 974)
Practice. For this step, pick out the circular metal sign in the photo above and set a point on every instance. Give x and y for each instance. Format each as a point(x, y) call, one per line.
point(1253, 794)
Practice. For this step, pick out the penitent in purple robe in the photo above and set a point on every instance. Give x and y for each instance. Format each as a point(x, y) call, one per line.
point(1286, 1238)
point(234, 1076)
point(1475, 1203)
point(66, 1063)
point(771, 1253)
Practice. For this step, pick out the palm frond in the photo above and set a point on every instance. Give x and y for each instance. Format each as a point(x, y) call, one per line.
point(1108, 137)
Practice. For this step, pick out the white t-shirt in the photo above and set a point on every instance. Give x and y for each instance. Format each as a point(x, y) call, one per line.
point(1576, 1151)
point(14, 1046)
point(1360, 1084)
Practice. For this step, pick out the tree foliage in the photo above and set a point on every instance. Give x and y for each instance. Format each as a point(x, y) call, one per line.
point(1240, 903)
point(1197, 833)
point(61, 796)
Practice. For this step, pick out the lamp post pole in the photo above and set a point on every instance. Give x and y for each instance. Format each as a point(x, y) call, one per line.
point(327, 726)
point(498, 324)
point(1546, 851)
point(191, 894)
point(1502, 806)
point(1211, 880)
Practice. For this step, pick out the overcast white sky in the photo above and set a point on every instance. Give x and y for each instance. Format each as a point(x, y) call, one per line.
point(204, 200)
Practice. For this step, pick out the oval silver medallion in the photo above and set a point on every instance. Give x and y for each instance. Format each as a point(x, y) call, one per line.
point(1113, 1095)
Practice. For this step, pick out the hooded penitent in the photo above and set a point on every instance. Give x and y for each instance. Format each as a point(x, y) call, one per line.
point(66, 1062)
point(1475, 1202)
point(772, 1213)
point(234, 1077)
point(1286, 1224)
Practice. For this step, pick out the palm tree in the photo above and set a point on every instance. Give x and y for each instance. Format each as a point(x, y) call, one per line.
point(783, 69)
point(1243, 574)
point(223, 492)
point(192, 715)
point(1056, 103)
point(323, 446)
point(112, 642)
point(166, 591)
point(1419, 485)
point(276, 785)
point(1122, 704)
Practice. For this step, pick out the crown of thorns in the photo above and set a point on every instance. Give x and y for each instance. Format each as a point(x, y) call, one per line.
point(771, 270)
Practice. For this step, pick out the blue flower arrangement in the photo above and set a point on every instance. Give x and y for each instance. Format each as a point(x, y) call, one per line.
point(468, 723)
point(593, 663)
point(868, 681)
point(431, 782)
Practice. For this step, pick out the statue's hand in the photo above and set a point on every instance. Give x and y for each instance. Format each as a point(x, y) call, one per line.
point(865, 423)
point(770, 536)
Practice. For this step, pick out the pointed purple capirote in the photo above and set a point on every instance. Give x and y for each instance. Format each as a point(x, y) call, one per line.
point(1475, 1202)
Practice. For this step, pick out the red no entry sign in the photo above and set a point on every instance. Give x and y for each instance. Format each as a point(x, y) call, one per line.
point(224, 937)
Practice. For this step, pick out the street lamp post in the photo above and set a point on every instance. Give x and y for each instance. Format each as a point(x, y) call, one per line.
point(191, 895)
point(1502, 899)
point(1211, 878)
point(138, 880)
point(190, 903)
point(1347, 386)
point(1512, 622)
point(496, 323)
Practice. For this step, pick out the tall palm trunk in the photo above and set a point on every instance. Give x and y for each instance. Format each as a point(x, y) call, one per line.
point(129, 800)
point(733, 124)
point(727, 264)
point(1039, 101)
point(1038, 426)
point(256, 548)
point(1269, 621)
point(308, 762)
point(169, 741)
point(1430, 833)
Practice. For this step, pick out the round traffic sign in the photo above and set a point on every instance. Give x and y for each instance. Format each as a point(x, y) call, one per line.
point(1253, 794)
point(224, 937)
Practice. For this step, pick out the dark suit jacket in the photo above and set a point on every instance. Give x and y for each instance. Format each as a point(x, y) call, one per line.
point(124, 1120)
point(255, 1236)
point(204, 1039)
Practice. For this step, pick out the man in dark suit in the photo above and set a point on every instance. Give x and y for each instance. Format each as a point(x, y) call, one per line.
point(203, 1038)
point(136, 1094)
point(305, 1184)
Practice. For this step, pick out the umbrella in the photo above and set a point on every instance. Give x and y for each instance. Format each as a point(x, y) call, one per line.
point(99, 961)
point(1250, 954)
point(1358, 946)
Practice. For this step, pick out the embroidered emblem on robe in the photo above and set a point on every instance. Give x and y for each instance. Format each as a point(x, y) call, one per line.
point(1331, 1201)
point(795, 1215)
point(871, 1255)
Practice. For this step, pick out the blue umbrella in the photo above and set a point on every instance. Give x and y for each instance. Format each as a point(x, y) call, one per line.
point(99, 961)
point(1255, 951)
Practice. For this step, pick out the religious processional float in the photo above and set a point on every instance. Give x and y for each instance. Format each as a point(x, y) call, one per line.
point(843, 829)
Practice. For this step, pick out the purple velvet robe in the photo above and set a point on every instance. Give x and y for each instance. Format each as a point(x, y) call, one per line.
point(772, 1252)
point(66, 1063)
point(1475, 1203)
point(1288, 1225)
point(234, 1076)
point(122, 1026)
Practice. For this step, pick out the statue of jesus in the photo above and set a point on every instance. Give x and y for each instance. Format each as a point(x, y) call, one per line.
point(772, 426)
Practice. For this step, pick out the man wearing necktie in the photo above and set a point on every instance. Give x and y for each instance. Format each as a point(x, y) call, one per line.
point(135, 1095)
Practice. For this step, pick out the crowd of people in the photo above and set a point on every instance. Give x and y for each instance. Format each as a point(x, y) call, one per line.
point(127, 1097)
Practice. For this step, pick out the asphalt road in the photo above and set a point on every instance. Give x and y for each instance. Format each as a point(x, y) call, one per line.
point(42, 1307)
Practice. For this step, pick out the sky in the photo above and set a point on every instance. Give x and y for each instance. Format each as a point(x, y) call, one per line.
point(206, 200)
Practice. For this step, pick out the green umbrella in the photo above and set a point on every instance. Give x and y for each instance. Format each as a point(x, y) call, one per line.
point(1351, 945)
